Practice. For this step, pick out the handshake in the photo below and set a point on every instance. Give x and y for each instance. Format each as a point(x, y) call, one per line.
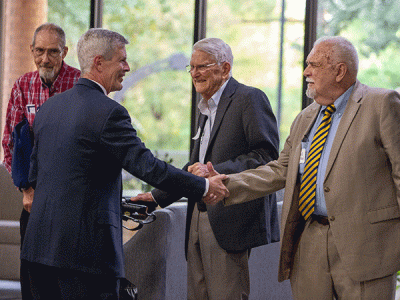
point(217, 190)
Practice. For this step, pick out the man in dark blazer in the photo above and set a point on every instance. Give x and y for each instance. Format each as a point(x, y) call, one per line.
point(237, 131)
point(349, 248)
point(83, 139)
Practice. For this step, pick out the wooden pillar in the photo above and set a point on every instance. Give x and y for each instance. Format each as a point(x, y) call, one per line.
point(19, 20)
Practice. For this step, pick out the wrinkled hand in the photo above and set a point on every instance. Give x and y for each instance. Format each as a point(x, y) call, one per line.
point(145, 197)
point(217, 190)
point(211, 169)
point(27, 199)
point(199, 169)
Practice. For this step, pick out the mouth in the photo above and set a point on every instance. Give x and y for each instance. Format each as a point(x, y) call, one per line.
point(198, 81)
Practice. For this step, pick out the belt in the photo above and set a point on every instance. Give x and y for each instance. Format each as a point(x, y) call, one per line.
point(320, 219)
point(201, 206)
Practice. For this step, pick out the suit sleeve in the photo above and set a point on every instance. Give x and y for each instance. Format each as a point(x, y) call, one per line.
point(119, 138)
point(259, 182)
point(390, 134)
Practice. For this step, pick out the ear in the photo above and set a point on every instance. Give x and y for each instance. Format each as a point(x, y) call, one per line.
point(65, 51)
point(226, 69)
point(98, 62)
point(341, 72)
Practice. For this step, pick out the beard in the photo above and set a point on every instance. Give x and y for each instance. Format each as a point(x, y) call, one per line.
point(311, 93)
point(48, 75)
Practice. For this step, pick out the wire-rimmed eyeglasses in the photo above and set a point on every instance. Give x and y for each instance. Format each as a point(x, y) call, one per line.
point(200, 68)
point(52, 52)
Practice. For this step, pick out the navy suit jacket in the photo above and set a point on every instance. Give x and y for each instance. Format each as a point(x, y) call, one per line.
point(83, 139)
point(244, 136)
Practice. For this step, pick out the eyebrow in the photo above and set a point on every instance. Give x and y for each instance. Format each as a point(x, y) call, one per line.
point(314, 63)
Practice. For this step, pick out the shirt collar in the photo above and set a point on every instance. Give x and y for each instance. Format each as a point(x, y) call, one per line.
point(213, 101)
point(341, 102)
point(102, 87)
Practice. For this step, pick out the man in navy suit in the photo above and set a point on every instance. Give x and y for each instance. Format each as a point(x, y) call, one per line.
point(83, 139)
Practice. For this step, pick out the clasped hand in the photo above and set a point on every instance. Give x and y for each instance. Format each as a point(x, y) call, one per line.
point(217, 190)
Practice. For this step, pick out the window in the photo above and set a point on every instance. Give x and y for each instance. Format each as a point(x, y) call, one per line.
point(73, 16)
point(374, 29)
point(157, 91)
point(253, 30)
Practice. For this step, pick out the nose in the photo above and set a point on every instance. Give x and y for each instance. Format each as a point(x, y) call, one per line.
point(306, 71)
point(194, 72)
point(45, 57)
point(126, 67)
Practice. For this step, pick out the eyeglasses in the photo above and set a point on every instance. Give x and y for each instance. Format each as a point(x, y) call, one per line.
point(200, 68)
point(54, 53)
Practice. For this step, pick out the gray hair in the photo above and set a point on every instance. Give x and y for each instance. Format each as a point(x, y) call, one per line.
point(342, 51)
point(217, 48)
point(98, 41)
point(51, 27)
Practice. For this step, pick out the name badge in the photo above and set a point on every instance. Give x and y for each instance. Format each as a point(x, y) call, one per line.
point(197, 134)
point(31, 108)
point(303, 156)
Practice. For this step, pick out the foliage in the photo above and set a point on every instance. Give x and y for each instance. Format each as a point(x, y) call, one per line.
point(73, 17)
point(159, 104)
point(377, 22)
point(374, 28)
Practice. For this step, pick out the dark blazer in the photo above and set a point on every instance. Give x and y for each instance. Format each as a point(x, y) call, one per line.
point(244, 136)
point(83, 139)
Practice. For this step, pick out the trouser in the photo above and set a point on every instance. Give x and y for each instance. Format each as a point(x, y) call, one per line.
point(23, 275)
point(214, 273)
point(51, 283)
point(319, 274)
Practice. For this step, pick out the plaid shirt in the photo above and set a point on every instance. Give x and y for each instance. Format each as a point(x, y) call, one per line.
point(27, 95)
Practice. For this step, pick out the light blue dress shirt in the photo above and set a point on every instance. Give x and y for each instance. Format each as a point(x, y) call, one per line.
point(340, 105)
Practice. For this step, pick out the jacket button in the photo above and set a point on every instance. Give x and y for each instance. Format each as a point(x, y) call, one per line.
point(332, 218)
point(326, 189)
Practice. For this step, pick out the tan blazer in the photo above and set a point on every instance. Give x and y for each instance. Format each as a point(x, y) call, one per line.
point(362, 184)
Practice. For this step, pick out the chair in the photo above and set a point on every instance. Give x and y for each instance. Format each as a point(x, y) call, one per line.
point(10, 211)
point(155, 256)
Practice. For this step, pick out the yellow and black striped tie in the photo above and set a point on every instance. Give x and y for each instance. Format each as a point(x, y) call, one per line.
point(309, 178)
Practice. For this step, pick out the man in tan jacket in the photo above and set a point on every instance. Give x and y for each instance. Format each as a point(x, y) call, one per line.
point(347, 246)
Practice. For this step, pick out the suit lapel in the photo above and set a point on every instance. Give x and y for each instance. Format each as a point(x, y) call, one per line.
point(352, 107)
point(196, 147)
point(224, 102)
point(310, 118)
point(304, 128)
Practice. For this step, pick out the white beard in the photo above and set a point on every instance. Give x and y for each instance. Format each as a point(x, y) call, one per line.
point(310, 93)
point(47, 75)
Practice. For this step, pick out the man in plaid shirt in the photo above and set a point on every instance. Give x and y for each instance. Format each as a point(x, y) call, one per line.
point(31, 90)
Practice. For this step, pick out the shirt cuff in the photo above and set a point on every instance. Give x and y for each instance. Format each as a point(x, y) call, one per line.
point(207, 187)
point(153, 197)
